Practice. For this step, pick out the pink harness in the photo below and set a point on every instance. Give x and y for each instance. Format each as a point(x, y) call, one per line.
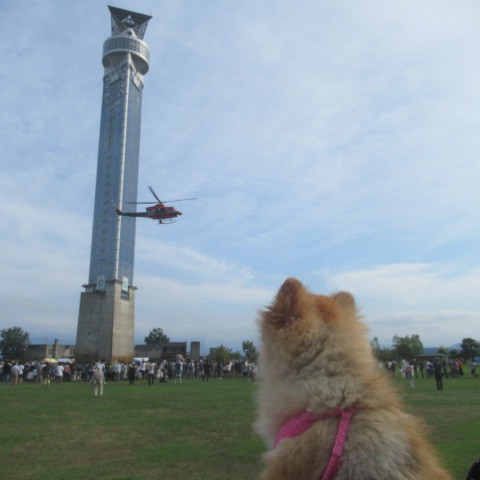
point(304, 420)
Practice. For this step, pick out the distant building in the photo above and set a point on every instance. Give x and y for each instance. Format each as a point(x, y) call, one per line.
point(40, 351)
point(168, 351)
point(195, 351)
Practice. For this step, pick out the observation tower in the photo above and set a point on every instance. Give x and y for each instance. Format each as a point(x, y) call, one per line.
point(106, 316)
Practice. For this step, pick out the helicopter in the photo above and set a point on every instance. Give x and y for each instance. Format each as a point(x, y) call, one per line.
point(159, 211)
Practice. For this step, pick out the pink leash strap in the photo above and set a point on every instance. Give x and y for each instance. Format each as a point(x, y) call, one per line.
point(338, 446)
point(295, 426)
point(304, 420)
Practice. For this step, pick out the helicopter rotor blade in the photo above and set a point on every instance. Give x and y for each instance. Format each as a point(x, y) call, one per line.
point(154, 194)
point(158, 200)
point(179, 200)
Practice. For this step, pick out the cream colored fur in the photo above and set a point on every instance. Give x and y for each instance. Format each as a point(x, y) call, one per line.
point(316, 357)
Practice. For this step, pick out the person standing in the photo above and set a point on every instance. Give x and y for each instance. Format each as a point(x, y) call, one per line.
point(46, 375)
point(438, 372)
point(444, 366)
point(7, 368)
point(415, 367)
point(151, 373)
point(408, 370)
point(430, 370)
point(67, 371)
point(132, 373)
point(98, 380)
point(21, 368)
point(143, 369)
point(245, 368)
point(38, 372)
point(421, 367)
point(206, 371)
point(117, 371)
point(59, 374)
point(14, 373)
point(178, 371)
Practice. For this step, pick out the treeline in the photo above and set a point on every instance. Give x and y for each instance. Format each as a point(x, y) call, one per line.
point(223, 354)
point(220, 354)
point(410, 346)
point(14, 341)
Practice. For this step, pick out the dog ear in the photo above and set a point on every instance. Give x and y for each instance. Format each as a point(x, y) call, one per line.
point(344, 300)
point(286, 307)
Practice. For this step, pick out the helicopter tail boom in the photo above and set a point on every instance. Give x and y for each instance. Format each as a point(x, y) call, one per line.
point(130, 214)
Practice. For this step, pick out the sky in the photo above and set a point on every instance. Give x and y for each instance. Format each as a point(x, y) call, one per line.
point(332, 141)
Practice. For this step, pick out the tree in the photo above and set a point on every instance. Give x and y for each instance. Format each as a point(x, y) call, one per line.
point(470, 348)
point(156, 337)
point(407, 347)
point(442, 350)
point(382, 354)
point(375, 344)
point(221, 354)
point(250, 351)
point(453, 354)
point(236, 355)
point(13, 342)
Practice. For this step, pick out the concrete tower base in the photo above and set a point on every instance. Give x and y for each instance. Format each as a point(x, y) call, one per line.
point(106, 324)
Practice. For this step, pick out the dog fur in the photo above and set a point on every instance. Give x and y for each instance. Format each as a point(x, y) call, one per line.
point(316, 357)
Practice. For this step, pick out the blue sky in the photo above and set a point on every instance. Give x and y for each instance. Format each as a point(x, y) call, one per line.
point(333, 141)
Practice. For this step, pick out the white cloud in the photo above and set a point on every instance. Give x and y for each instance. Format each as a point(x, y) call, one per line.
point(438, 302)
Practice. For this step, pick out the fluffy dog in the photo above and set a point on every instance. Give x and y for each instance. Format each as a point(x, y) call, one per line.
point(321, 388)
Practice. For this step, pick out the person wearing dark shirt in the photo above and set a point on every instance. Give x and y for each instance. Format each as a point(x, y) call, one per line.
point(438, 372)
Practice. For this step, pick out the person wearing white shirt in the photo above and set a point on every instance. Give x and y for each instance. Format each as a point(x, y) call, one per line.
point(14, 374)
point(59, 375)
point(98, 380)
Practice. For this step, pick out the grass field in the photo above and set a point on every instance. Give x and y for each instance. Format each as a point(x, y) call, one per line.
point(191, 431)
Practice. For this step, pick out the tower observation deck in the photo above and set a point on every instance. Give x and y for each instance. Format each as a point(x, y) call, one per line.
point(106, 318)
point(128, 29)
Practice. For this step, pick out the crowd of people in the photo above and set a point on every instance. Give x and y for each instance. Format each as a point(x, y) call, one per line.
point(47, 372)
point(439, 368)
point(151, 371)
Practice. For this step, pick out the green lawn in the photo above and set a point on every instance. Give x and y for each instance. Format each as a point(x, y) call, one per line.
point(191, 431)
point(453, 417)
